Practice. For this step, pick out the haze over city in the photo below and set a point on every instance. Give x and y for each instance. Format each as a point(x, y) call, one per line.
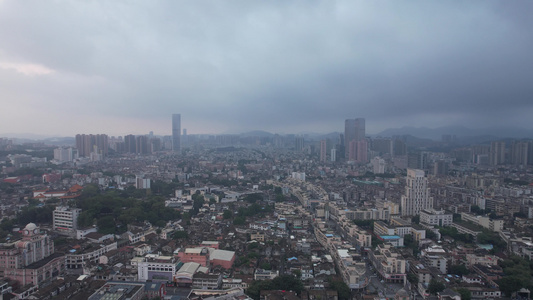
point(266, 150)
point(284, 67)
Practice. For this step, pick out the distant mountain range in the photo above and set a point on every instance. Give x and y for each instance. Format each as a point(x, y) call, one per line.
point(459, 131)
point(463, 135)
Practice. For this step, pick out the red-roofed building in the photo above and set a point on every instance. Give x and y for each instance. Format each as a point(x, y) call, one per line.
point(51, 177)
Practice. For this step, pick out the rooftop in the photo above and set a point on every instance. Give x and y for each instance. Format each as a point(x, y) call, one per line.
point(44, 261)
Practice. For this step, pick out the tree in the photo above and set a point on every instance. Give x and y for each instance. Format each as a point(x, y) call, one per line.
point(106, 225)
point(90, 190)
point(366, 224)
point(283, 282)
point(430, 235)
point(198, 202)
point(240, 220)
point(476, 210)
point(343, 291)
point(180, 235)
point(266, 266)
point(465, 293)
point(509, 285)
point(458, 270)
point(517, 274)
point(288, 282)
point(416, 219)
point(436, 286)
point(413, 279)
point(252, 198)
point(227, 214)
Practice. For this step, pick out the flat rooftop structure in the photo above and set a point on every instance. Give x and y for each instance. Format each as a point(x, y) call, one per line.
point(157, 258)
point(198, 250)
point(189, 268)
point(112, 291)
point(401, 222)
point(343, 253)
point(38, 264)
point(222, 255)
point(210, 243)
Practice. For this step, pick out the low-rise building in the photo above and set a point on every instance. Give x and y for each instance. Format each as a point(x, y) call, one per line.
point(198, 255)
point(157, 268)
point(65, 219)
point(435, 217)
point(495, 225)
point(80, 255)
point(207, 281)
point(388, 263)
point(31, 260)
point(261, 274)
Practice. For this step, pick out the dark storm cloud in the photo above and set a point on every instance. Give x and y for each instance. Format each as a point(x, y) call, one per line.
point(279, 66)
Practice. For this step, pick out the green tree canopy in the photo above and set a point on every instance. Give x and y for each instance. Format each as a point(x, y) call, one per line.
point(343, 291)
point(436, 286)
point(227, 214)
point(458, 270)
point(465, 293)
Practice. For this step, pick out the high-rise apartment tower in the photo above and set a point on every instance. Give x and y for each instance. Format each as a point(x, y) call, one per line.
point(176, 132)
point(416, 195)
point(354, 130)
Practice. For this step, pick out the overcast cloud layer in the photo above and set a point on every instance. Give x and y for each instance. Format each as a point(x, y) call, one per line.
point(121, 67)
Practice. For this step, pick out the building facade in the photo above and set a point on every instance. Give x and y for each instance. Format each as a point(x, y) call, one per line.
point(435, 217)
point(66, 219)
point(416, 195)
point(31, 260)
point(354, 130)
point(157, 268)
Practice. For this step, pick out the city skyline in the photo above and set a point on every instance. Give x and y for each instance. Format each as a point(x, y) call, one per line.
point(122, 68)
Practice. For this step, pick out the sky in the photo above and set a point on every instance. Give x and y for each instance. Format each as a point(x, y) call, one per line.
point(124, 67)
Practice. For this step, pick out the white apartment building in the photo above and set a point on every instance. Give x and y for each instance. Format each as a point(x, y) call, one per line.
point(157, 268)
point(416, 195)
point(378, 165)
point(62, 155)
point(435, 217)
point(66, 219)
point(485, 222)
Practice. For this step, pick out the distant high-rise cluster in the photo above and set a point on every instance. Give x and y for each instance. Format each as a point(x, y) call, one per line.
point(299, 143)
point(92, 143)
point(497, 153)
point(519, 153)
point(176, 132)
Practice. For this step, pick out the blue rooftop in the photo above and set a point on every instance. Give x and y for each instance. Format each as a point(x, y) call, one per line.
point(389, 237)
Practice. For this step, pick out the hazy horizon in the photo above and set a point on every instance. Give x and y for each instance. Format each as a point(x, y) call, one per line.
point(282, 67)
point(460, 131)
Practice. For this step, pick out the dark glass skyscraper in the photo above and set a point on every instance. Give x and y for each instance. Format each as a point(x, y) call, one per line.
point(176, 132)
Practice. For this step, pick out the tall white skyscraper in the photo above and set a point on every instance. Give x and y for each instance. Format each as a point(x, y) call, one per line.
point(416, 195)
point(176, 132)
point(333, 155)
